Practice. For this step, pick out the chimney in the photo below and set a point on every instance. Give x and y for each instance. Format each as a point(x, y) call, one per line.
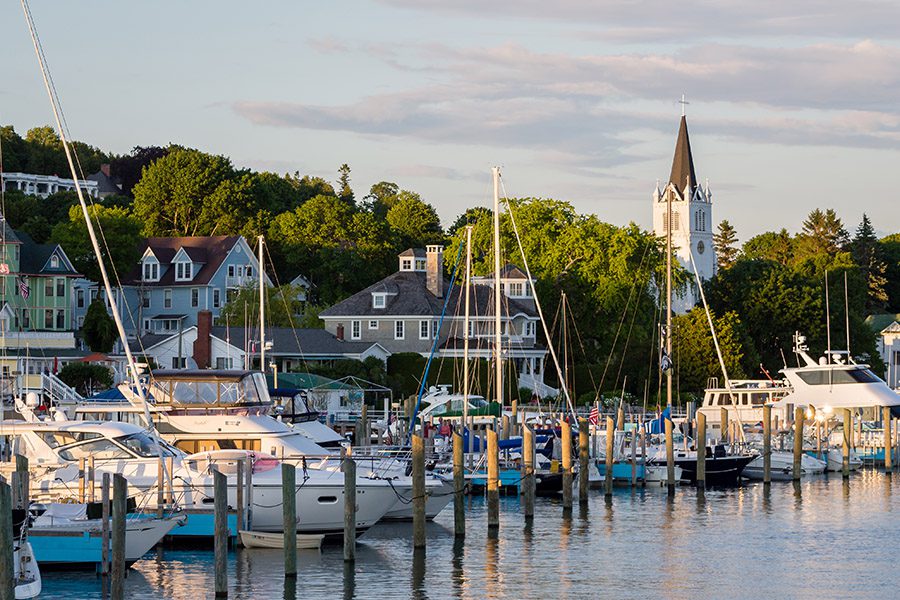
point(434, 271)
point(104, 168)
point(203, 343)
point(340, 332)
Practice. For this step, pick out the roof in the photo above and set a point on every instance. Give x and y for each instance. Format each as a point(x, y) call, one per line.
point(507, 271)
point(309, 342)
point(409, 296)
point(879, 322)
point(417, 252)
point(892, 328)
point(210, 251)
point(105, 183)
point(305, 381)
point(683, 174)
point(34, 258)
point(9, 235)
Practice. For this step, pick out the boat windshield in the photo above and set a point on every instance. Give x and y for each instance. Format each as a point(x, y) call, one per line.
point(837, 376)
point(247, 390)
point(139, 444)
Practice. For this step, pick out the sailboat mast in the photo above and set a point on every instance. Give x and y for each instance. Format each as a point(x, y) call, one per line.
point(466, 326)
point(262, 311)
point(669, 296)
point(847, 315)
point(498, 365)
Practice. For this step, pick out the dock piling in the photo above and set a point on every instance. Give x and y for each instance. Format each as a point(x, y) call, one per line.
point(104, 526)
point(528, 471)
point(515, 417)
point(798, 442)
point(459, 486)
point(239, 496)
point(566, 464)
point(583, 461)
point(418, 491)
point(119, 508)
point(888, 442)
point(21, 483)
point(701, 450)
point(670, 459)
point(7, 541)
point(362, 437)
point(348, 466)
point(767, 444)
point(91, 477)
point(723, 421)
point(493, 482)
point(610, 450)
point(160, 488)
point(848, 429)
point(82, 475)
point(220, 541)
point(289, 517)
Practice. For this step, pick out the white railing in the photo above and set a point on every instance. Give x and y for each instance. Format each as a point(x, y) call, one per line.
point(239, 281)
point(58, 390)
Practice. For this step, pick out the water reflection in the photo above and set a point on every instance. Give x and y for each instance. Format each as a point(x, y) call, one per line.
point(491, 572)
point(458, 574)
point(290, 588)
point(418, 574)
point(349, 580)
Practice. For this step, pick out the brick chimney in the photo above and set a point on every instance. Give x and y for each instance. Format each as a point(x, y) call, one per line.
point(434, 270)
point(104, 168)
point(203, 343)
point(340, 331)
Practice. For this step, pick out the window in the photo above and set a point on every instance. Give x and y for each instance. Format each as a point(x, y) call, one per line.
point(515, 289)
point(224, 362)
point(145, 299)
point(26, 318)
point(378, 300)
point(195, 297)
point(48, 319)
point(167, 298)
point(60, 287)
point(373, 324)
point(406, 264)
point(54, 262)
point(217, 298)
point(838, 376)
point(231, 270)
point(178, 362)
point(423, 330)
point(530, 327)
point(79, 298)
point(355, 327)
point(151, 270)
point(420, 264)
point(60, 319)
point(399, 330)
point(184, 271)
point(471, 332)
point(146, 325)
point(434, 328)
point(48, 288)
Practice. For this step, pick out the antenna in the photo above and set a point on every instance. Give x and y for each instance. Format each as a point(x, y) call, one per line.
point(683, 104)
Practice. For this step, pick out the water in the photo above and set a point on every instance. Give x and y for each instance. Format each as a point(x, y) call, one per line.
point(825, 538)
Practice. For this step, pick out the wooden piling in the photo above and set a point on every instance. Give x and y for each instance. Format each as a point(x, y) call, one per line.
point(848, 426)
point(459, 486)
point(220, 540)
point(528, 483)
point(82, 475)
point(670, 458)
point(634, 458)
point(610, 450)
point(348, 466)
point(289, 517)
point(723, 419)
point(583, 461)
point(888, 442)
point(91, 477)
point(620, 419)
point(104, 525)
point(119, 508)
point(515, 417)
point(566, 440)
point(362, 433)
point(798, 442)
point(418, 491)
point(644, 451)
point(493, 481)
point(7, 541)
point(22, 485)
point(767, 444)
point(239, 496)
point(701, 450)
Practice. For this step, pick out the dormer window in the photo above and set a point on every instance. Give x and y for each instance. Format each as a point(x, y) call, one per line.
point(151, 270)
point(379, 300)
point(54, 262)
point(406, 264)
point(420, 264)
point(184, 271)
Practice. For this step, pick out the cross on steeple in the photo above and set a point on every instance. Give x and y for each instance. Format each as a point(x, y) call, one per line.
point(683, 103)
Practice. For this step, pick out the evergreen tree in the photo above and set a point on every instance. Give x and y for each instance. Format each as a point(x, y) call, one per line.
point(823, 233)
point(345, 192)
point(99, 329)
point(724, 244)
point(867, 254)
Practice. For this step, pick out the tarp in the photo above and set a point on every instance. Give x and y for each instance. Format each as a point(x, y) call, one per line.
point(658, 425)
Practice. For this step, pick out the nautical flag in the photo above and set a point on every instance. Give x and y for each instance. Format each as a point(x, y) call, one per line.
point(665, 363)
point(594, 417)
point(24, 290)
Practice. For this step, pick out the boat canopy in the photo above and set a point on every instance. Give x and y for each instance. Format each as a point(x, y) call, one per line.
point(209, 388)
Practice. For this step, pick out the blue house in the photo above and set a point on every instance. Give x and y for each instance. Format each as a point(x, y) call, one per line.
point(180, 276)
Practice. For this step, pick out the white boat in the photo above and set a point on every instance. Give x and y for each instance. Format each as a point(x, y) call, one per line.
point(262, 539)
point(782, 466)
point(26, 573)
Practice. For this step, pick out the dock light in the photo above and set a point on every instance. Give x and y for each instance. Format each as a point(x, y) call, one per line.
point(827, 410)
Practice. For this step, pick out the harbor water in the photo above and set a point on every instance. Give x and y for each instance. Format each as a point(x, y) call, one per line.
point(821, 538)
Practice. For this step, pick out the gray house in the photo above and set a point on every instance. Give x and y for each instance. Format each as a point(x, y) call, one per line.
point(402, 313)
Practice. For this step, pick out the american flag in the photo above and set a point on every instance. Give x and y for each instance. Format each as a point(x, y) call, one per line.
point(594, 417)
point(24, 290)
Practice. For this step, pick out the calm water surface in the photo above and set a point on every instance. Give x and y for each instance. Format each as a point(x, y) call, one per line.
point(822, 539)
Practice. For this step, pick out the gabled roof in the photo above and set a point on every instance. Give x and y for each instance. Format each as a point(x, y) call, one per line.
point(683, 174)
point(410, 297)
point(417, 252)
point(210, 251)
point(878, 322)
point(296, 342)
point(9, 236)
point(892, 328)
point(105, 183)
point(507, 271)
point(35, 258)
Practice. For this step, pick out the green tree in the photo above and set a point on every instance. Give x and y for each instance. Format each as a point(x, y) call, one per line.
point(45, 152)
point(119, 243)
point(775, 246)
point(99, 329)
point(413, 222)
point(345, 192)
point(86, 378)
point(866, 252)
point(695, 352)
point(724, 243)
point(470, 217)
point(130, 167)
point(15, 154)
point(823, 233)
point(283, 308)
point(890, 249)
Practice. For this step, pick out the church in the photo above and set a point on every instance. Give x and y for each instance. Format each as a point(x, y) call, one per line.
point(692, 220)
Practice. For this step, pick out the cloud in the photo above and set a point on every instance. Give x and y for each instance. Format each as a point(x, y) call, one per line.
point(432, 172)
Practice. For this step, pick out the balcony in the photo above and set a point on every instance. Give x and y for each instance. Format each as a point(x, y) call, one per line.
point(240, 281)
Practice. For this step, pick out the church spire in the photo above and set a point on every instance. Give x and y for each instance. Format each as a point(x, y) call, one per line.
point(683, 175)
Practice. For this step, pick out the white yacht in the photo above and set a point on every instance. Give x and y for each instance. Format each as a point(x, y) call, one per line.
point(212, 410)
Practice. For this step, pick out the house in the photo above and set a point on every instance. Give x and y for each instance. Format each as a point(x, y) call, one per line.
point(107, 185)
point(887, 329)
point(302, 285)
point(402, 313)
point(178, 277)
point(45, 185)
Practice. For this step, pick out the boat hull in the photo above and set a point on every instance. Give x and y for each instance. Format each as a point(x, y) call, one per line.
point(720, 470)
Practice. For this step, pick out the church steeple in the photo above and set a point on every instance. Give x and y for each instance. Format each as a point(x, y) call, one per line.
point(683, 176)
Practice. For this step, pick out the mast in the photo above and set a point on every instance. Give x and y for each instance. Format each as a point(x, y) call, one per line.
point(498, 350)
point(466, 327)
point(669, 296)
point(847, 315)
point(262, 311)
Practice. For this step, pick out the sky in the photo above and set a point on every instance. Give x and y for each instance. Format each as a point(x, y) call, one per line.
point(792, 106)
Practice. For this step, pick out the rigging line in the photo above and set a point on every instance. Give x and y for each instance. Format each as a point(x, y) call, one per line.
point(637, 305)
point(537, 302)
point(581, 344)
point(289, 313)
point(412, 420)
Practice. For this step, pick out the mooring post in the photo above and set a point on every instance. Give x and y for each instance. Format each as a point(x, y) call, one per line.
point(120, 506)
point(701, 450)
point(7, 541)
point(528, 482)
point(362, 438)
point(620, 418)
point(723, 420)
point(82, 475)
point(583, 461)
point(767, 444)
point(22, 485)
point(634, 458)
point(91, 477)
point(104, 526)
point(515, 418)
point(239, 497)
point(798, 442)
point(610, 450)
point(888, 442)
point(459, 486)
point(670, 458)
point(566, 464)
point(348, 466)
point(289, 517)
point(848, 427)
point(644, 452)
point(418, 491)
point(493, 481)
point(471, 449)
point(220, 524)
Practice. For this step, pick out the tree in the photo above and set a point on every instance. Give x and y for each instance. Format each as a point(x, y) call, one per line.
point(413, 222)
point(15, 154)
point(775, 246)
point(866, 252)
point(381, 198)
point(86, 378)
point(283, 308)
point(99, 329)
point(823, 233)
point(890, 249)
point(345, 192)
point(724, 244)
point(695, 351)
point(45, 152)
point(130, 167)
point(470, 217)
point(119, 243)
